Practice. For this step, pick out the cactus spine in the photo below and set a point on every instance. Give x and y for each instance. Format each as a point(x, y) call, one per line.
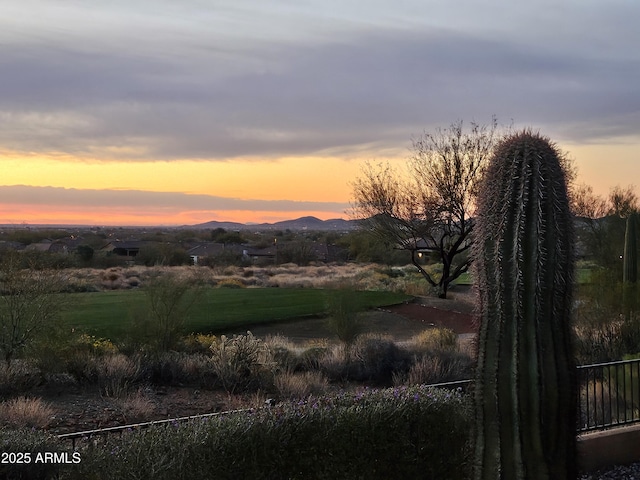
point(525, 378)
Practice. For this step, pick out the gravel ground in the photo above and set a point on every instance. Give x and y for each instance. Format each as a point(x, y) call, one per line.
point(627, 472)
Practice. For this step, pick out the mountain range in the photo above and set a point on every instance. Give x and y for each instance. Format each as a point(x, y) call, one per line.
point(302, 223)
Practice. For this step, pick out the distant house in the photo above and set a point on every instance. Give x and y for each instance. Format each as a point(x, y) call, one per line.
point(260, 254)
point(211, 249)
point(49, 246)
point(123, 248)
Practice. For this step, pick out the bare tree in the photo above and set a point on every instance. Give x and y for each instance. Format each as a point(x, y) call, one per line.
point(30, 301)
point(431, 207)
point(603, 221)
point(170, 300)
point(623, 201)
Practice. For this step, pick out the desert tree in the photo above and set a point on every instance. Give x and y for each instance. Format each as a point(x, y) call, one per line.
point(30, 302)
point(170, 299)
point(602, 221)
point(429, 208)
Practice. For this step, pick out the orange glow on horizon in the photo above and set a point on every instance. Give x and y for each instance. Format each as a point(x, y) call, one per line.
point(318, 179)
point(295, 179)
point(105, 216)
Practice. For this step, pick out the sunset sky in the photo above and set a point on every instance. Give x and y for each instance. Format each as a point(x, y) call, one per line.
point(164, 112)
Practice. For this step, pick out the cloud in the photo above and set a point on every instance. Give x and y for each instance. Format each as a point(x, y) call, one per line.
point(255, 89)
point(87, 199)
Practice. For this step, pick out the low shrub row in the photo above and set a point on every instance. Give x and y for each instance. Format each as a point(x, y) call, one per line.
point(242, 364)
point(374, 434)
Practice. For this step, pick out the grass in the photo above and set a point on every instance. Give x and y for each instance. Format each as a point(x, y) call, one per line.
point(582, 275)
point(108, 314)
point(464, 279)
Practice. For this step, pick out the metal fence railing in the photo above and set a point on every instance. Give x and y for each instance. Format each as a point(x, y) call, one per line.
point(609, 396)
point(90, 434)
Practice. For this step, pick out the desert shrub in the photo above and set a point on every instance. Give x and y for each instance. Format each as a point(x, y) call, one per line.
point(241, 362)
point(311, 356)
point(177, 368)
point(112, 279)
point(394, 433)
point(198, 342)
point(602, 334)
point(114, 374)
point(437, 367)
point(434, 339)
point(136, 406)
point(284, 354)
point(68, 352)
point(20, 376)
point(300, 384)
point(335, 363)
point(157, 323)
point(605, 329)
point(25, 412)
point(231, 283)
point(342, 308)
point(375, 359)
point(290, 357)
point(372, 358)
point(33, 442)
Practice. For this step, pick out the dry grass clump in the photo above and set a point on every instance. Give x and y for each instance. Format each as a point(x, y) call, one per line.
point(285, 354)
point(371, 358)
point(434, 339)
point(233, 282)
point(20, 375)
point(112, 279)
point(289, 275)
point(114, 374)
point(26, 412)
point(301, 384)
point(437, 368)
point(291, 357)
point(137, 406)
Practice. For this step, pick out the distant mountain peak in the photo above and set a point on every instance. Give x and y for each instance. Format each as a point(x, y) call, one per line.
point(303, 223)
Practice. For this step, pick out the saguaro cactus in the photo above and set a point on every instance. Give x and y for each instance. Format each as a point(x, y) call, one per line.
point(525, 378)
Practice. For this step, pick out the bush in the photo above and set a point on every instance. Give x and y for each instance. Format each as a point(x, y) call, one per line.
point(241, 362)
point(20, 376)
point(198, 342)
point(32, 442)
point(301, 384)
point(25, 412)
point(231, 283)
point(375, 359)
point(342, 307)
point(114, 374)
point(437, 368)
point(435, 340)
point(178, 368)
point(412, 432)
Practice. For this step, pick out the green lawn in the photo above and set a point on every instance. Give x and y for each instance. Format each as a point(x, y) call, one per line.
point(464, 279)
point(108, 314)
point(582, 276)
